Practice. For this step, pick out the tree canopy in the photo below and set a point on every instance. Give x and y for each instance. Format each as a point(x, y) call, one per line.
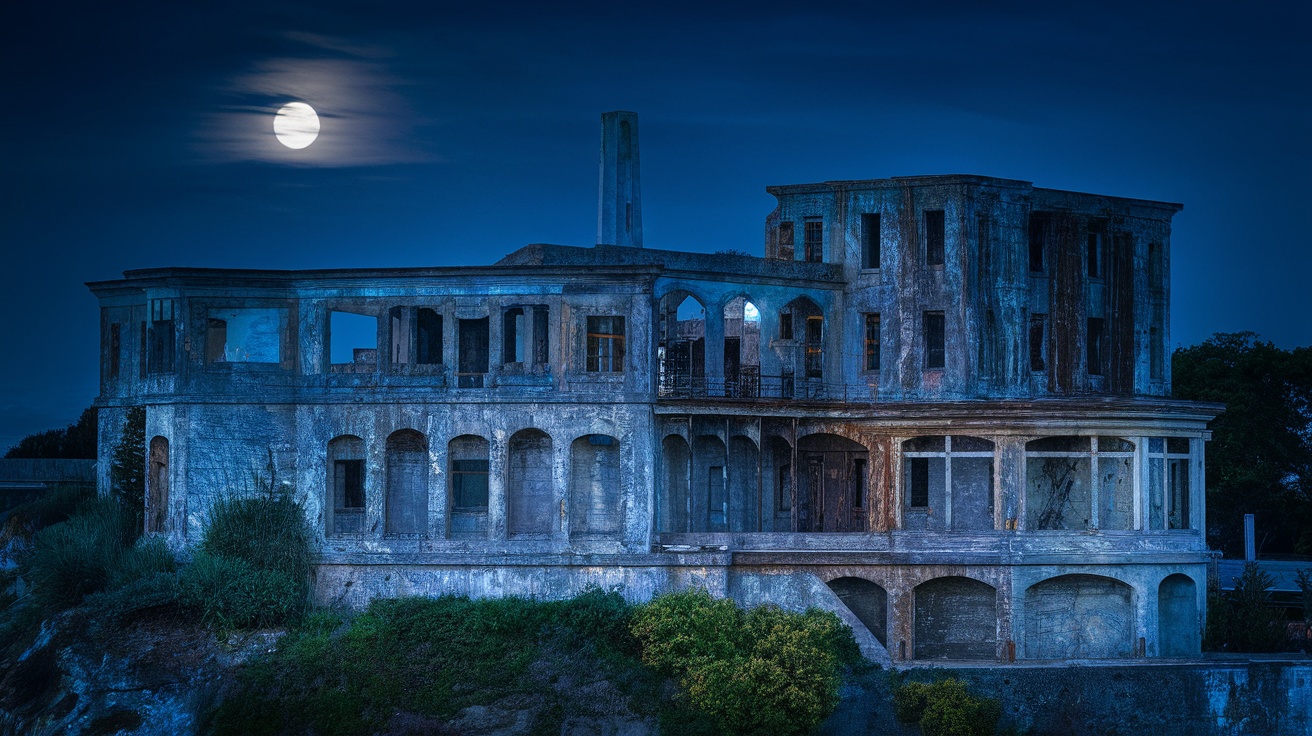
point(77, 441)
point(1260, 458)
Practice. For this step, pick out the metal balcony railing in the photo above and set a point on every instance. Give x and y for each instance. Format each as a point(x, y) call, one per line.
point(750, 385)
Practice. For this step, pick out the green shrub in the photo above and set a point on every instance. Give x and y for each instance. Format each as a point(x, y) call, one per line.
point(946, 708)
point(75, 558)
point(766, 671)
point(231, 593)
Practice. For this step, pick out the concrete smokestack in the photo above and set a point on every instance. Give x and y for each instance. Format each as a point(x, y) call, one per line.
point(619, 197)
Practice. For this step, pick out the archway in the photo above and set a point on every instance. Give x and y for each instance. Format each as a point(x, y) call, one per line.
point(407, 484)
point(1177, 617)
point(867, 601)
point(528, 484)
point(956, 618)
point(1079, 616)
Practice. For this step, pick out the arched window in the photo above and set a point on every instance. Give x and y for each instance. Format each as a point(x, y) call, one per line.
point(345, 503)
point(528, 484)
point(157, 486)
point(595, 508)
point(1064, 476)
point(681, 354)
point(947, 483)
point(468, 458)
point(407, 484)
point(868, 601)
point(742, 348)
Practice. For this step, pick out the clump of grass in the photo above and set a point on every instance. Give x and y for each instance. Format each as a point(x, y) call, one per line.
point(75, 558)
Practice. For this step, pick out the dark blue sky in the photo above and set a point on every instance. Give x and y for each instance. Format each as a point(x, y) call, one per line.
point(139, 135)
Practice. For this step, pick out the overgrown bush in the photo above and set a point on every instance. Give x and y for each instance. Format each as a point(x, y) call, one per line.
point(1243, 620)
point(946, 708)
point(58, 503)
point(77, 557)
point(252, 568)
point(765, 671)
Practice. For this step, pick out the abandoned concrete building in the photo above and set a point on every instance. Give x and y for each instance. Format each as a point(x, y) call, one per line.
point(937, 405)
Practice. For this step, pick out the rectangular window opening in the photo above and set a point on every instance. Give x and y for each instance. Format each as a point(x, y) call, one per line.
point(352, 340)
point(935, 354)
point(872, 342)
point(785, 326)
point(919, 482)
point(1094, 254)
point(786, 241)
point(115, 348)
point(605, 345)
point(1038, 239)
point(814, 241)
point(814, 347)
point(469, 485)
point(870, 240)
point(513, 336)
point(1095, 347)
point(474, 349)
point(1038, 342)
point(428, 343)
point(934, 237)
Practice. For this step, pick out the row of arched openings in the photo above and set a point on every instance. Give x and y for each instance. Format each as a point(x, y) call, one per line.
point(529, 480)
point(1066, 617)
point(682, 349)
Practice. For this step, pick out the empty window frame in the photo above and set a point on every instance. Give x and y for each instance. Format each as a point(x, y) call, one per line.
point(935, 355)
point(352, 341)
point(115, 348)
point(1038, 232)
point(960, 468)
point(1095, 346)
point(160, 337)
point(514, 336)
point(244, 335)
point(1038, 342)
point(871, 362)
point(428, 337)
point(1168, 483)
point(785, 325)
point(870, 240)
point(605, 345)
point(934, 237)
point(813, 241)
point(473, 360)
point(346, 478)
point(1065, 474)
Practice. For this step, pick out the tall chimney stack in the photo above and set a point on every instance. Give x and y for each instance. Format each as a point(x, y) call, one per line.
point(619, 197)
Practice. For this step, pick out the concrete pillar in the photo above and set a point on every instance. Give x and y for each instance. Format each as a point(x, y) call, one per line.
point(496, 485)
point(619, 197)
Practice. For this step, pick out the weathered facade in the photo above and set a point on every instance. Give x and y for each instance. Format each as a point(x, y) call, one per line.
point(938, 406)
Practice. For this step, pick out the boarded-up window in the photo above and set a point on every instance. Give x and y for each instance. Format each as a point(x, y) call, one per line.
point(528, 484)
point(245, 335)
point(595, 506)
point(952, 478)
point(157, 486)
point(934, 237)
point(870, 240)
point(605, 344)
point(935, 355)
point(1177, 617)
point(955, 618)
point(407, 484)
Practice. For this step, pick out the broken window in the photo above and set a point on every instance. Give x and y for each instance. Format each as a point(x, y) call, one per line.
point(935, 356)
point(245, 335)
point(115, 348)
point(934, 237)
point(469, 484)
point(1038, 342)
point(742, 348)
point(345, 506)
point(1038, 240)
point(952, 478)
point(605, 346)
point(160, 337)
point(681, 353)
point(870, 240)
point(814, 241)
point(428, 342)
point(786, 241)
point(473, 348)
point(872, 342)
point(352, 342)
point(1095, 346)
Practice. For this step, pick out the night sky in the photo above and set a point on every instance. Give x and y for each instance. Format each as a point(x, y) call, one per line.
point(139, 135)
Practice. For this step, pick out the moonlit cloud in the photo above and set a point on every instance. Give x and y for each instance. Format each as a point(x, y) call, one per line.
point(366, 117)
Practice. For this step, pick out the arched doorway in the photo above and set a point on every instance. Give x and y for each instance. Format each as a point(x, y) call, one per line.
point(157, 486)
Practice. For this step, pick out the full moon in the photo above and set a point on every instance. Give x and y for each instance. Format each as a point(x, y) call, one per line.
point(296, 125)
